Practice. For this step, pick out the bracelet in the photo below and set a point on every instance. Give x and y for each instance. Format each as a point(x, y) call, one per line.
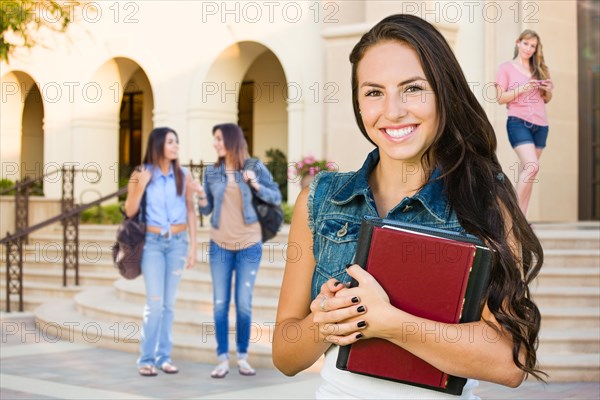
point(202, 198)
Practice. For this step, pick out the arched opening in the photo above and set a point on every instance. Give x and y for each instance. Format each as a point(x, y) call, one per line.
point(21, 127)
point(246, 84)
point(103, 129)
point(135, 123)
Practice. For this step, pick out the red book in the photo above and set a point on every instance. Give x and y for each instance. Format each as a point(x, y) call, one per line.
point(431, 273)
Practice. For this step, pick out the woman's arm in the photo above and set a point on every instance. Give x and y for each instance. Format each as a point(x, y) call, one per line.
point(191, 219)
point(205, 196)
point(546, 90)
point(136, 187)
point(295, 307)
point(262, 181)
point(506, 96)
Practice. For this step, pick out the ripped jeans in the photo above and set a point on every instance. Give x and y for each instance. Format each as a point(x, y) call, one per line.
point(163, 263)
point(223, 263)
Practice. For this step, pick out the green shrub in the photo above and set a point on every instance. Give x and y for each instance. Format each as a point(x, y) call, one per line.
point(287, 212)
point(277, 165)
point(5, 184)
point(109, 214)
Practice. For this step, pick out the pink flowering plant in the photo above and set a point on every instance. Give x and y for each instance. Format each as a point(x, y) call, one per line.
point(309, 166)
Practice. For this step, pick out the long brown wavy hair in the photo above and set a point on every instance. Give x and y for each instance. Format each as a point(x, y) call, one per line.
point(465, 149)
point(538, 67)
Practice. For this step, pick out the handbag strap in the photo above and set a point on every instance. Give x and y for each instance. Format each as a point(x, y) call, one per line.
point(143, 208)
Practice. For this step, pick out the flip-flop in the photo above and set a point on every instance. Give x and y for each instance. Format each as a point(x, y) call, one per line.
point(245, 368)
point(169, 368)
point(220, 371)
point(147, 370)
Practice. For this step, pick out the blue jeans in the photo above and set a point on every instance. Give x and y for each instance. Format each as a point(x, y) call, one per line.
point(163, 264)
point(222, 265)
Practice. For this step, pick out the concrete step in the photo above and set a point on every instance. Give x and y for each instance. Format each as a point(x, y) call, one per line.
point(571, 340)
point(104, 305)
point(561, 317)
point(569, 239)
point(566, 296)
point(62, 319)
point(46, 290)
point(263, 308)
point(571, 258)
point(32, 273)
point(30, 303)
point(200, 282)
point(570, 367)
point(568, 276)
point(93, 251)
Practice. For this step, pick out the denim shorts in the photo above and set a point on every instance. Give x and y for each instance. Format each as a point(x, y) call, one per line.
point(523, 132)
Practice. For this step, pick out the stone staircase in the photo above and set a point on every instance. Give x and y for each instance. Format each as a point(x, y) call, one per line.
point(107, 310)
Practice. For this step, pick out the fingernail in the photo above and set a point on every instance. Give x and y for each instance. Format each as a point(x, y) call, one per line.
point(355, 300)
point(349, 265)
point(337, 283)
point(361, 324)
point(361, 309)
point(359, 335)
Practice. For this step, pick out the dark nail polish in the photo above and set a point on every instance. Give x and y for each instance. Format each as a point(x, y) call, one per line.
point(361, 324)
point(337, 283)
point(355, 300)
point(349, 265)
point(361, 309)
point(359, 335)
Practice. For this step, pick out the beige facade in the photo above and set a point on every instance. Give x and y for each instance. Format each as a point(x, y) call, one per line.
point(190, 59)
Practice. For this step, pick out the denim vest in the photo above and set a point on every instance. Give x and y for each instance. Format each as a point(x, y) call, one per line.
point(215, 182)
point(337, 203)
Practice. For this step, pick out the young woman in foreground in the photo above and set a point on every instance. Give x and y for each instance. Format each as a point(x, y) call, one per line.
point(434, 165)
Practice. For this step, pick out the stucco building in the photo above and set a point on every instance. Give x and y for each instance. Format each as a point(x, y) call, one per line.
point(90, 96)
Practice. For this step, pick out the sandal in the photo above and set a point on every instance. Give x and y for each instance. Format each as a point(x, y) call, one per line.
point(169, 368)
point(147, 370)
point(245, 368)
point(221, 370)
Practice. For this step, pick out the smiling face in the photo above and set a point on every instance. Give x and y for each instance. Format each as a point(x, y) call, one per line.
point(171, 149)
point(527, 47)
point(396, 102)
point(219, 143)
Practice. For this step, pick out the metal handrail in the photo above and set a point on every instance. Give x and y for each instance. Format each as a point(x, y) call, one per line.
point(61, 217)
point(29, 182)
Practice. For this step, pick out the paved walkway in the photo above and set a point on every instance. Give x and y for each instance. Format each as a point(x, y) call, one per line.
point(35, 366)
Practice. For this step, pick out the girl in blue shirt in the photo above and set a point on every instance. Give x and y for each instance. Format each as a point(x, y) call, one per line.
point(168, 191)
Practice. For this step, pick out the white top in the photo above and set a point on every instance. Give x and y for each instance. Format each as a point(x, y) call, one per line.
point(338, 384)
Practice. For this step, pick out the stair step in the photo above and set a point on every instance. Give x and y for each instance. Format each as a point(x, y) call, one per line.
point(574, 340)
point(560, 317)
point(572, 276)
point(103, 304)
point(567, 367)
point(55, 276)
point(62, 318)
point(46, 290)
point(567, 296)
point(569, 258)
point(263, 307)
point(568, 239)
